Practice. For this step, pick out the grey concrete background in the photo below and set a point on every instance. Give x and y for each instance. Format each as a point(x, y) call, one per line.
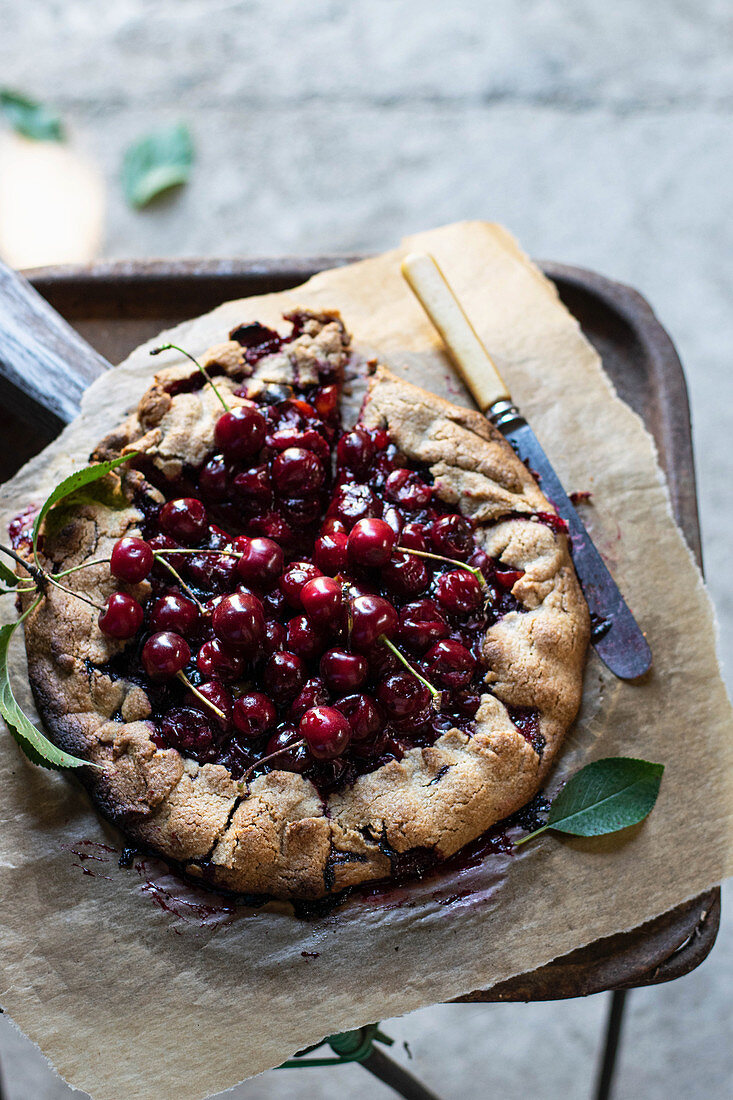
point(601, 135)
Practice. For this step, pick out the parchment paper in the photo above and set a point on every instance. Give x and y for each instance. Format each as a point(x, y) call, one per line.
point(135, 985)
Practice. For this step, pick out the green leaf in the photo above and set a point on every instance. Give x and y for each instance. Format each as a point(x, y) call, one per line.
point(155, 163)
point(603, 797)
point(29, 117)
point(70, 485)
point(7, 576)
point(34, 744)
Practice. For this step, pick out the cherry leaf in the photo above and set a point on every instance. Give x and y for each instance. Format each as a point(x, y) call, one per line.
point(7, 576)
point(70, 485)
point(34, 744)
point(30, 118)
point(603, 797)
point(156, 163)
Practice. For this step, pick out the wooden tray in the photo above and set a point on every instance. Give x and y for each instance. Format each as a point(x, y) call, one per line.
point(117, 306)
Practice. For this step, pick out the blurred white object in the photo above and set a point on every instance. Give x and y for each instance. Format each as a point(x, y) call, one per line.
point(51, 204)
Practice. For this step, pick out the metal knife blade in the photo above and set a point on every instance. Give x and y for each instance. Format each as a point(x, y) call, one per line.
point(615, 634)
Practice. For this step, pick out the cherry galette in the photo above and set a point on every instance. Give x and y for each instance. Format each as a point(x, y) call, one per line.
point(320, 647)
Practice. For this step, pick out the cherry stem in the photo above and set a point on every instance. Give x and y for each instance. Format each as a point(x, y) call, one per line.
point(207, 702)
point(436, 695)
point(243, 782)
point(451, 561)
point(84, 565)
point(77, 595)
point(157, 554)
point(174, 347)
point(36, 573)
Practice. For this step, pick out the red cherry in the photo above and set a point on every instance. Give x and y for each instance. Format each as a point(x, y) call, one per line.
point(295, 577)
point(174, 612)
point(238, 620)
point(363, 714)
point(297, 472)
point(406, 488)
point(217, 694)
point(131, 559)
point(332, 525)
point(241, 432)
point(313, 694)
point(326, 731)
point(253, 714)
point(394, 519)
point(184, 519)
point(254, 485)
point(261, 562)
point(275, 635)
point(122, 616)
point(186, 729)
point(329, 552)
point(421, 625)
point(214, 478)
point(343, 671)
point(289, 759)
point(371, 542)
point(352, 502)
point(304, 639)
point(412, 537)
point(165, 654)
point(458, 592)
point(323, 601)
point(326, 401)
point(355, 451)
point(450, 664)
point(371, 617)
point(217, 660)
point(284, 676)
point(405, 575)
point(452, 536)
point(403, 695)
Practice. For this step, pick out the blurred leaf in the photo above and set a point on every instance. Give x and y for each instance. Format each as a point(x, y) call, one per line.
point(155, 163)
point(30, 118)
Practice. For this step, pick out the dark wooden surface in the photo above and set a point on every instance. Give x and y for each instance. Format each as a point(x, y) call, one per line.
point(117, 306)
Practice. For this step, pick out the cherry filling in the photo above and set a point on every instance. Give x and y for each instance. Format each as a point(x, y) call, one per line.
point(314, 605)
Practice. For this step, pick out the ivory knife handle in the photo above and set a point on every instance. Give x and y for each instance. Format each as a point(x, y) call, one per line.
point(472, 360)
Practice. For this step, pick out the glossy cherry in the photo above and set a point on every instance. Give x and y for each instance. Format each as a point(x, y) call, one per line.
point(364, 715)
point(292, 756)
point(459, 592)
point(403, 695)
point(413, 536)
point(122, 616)
point(407, 489)
point(188, 730)
point(218, 695)
point(370, 543)
point(304, 639)
point(174, 612)
point(241, 432)
point(421, 625)
point(275, 635)
point(405, 575)
point(323, 602)
point(214, 478)
point(371, 617)
point(297, 472)
point(313, 693)
point(253, 714)
point(215, 659)
point(165, 654)
point(452, 536)
point(326, 730)
point(261, 561)
point(294, 578)
point(352, 502)
point(344, 672)
point(284, 676)
point(449, 664)
point(355, 451)
point(253, 486)
point(131, 559)
point(184, 519)
point(330, 553)
point(238, 621)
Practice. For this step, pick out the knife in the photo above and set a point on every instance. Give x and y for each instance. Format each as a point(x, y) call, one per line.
point(615, 634)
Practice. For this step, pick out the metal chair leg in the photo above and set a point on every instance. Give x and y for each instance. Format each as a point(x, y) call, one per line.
point(604, 1081)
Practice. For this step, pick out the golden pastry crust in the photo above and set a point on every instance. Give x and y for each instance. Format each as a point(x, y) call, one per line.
point(279, 838)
